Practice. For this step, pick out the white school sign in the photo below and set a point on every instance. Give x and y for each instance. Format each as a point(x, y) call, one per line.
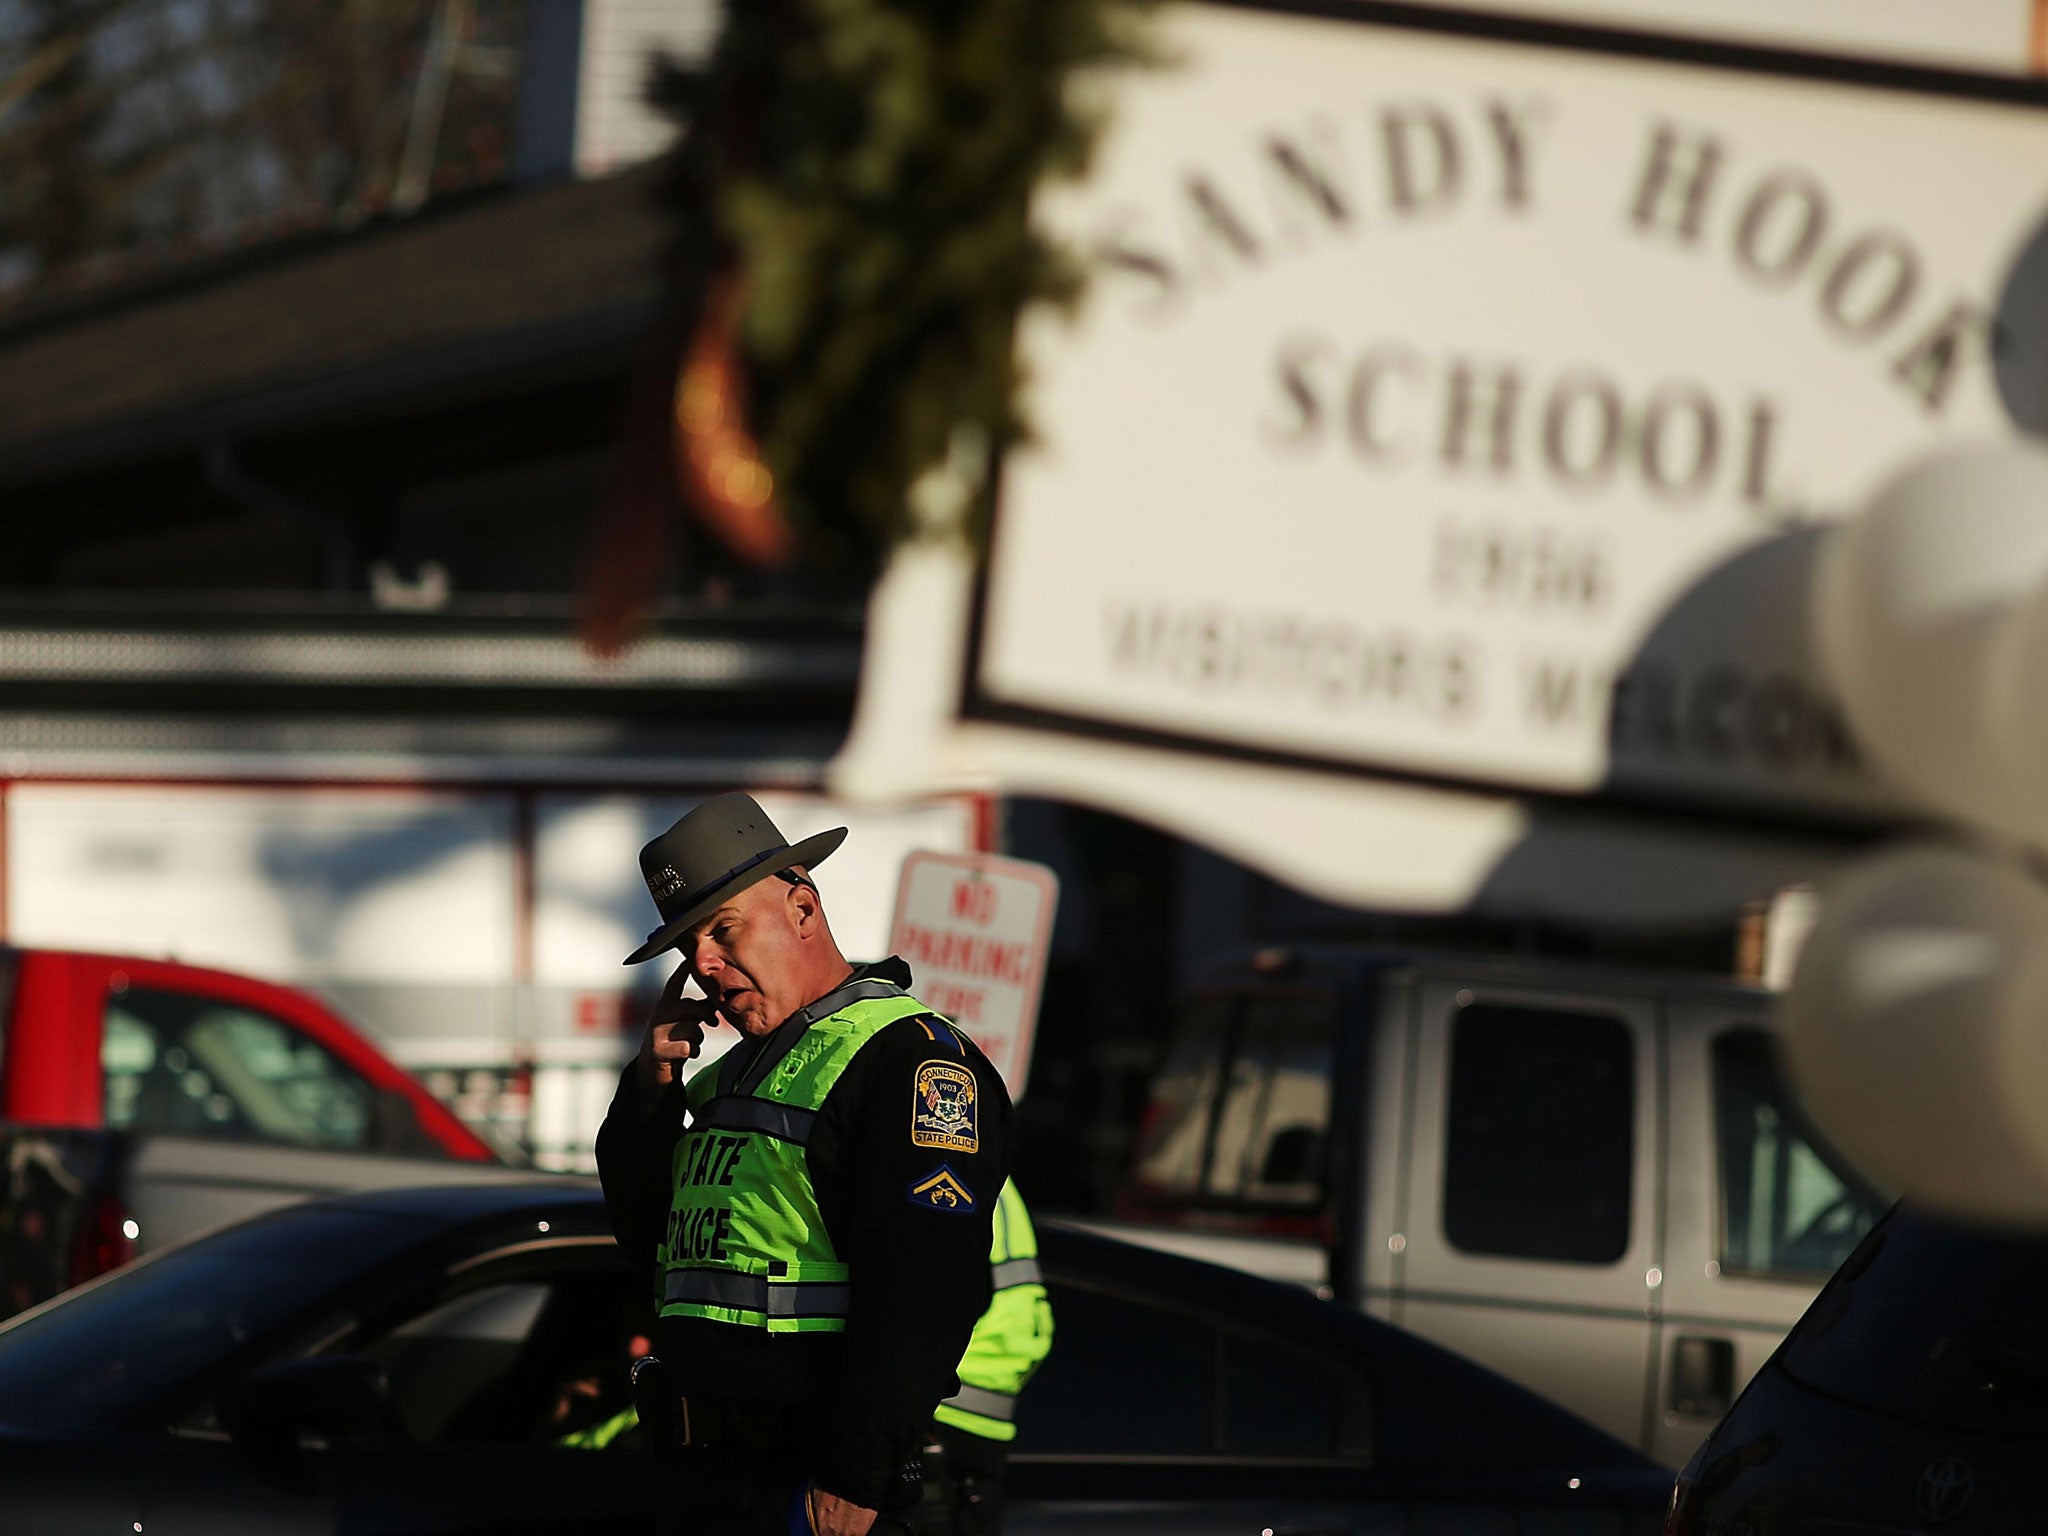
point(1424, 378)
point(1454, 417)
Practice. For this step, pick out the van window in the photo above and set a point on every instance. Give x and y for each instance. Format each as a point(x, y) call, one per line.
point(1274, 1114)
point(1240, 1113)
point(1789, 1205)
point(1539, 1149)
point(1174, 1141)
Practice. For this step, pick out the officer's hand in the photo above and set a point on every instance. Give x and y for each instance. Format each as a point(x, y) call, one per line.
point(834, 1516)
point(675, 1033)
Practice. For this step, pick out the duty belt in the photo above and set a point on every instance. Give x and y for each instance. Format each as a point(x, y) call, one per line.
point(765, 1294)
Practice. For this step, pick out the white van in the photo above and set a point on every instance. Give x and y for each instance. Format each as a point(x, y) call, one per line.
point(1591, 1180)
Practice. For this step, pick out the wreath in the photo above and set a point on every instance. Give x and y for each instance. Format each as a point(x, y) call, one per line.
point(851, 189)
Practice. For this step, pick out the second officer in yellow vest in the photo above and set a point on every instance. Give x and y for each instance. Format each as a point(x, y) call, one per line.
point(815, 1211)
point(969, 1454)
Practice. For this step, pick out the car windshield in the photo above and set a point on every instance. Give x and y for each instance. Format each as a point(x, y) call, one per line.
point(1935, 1322)
point(108, 1354)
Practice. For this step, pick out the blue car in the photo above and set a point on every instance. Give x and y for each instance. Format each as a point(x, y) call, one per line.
point(1911, 1397)
point(432, 1361)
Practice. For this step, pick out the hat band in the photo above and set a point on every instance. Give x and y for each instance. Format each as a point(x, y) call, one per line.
point(691, 898)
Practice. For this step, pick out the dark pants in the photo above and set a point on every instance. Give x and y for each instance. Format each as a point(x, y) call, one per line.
point(710, 1491)
point(963, 1490)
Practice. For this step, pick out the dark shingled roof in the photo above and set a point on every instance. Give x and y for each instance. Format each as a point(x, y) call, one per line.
point(527, 278)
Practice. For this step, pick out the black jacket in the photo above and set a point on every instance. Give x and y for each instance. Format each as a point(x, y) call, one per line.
point(920, 1267)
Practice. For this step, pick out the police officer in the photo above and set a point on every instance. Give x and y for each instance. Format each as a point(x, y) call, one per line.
point(969, 1453)
point(816, 1210)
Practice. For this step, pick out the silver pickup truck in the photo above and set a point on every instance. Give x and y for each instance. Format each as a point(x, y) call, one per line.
point(1592, 1180)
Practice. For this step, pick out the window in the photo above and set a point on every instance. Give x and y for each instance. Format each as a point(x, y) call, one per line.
point(1175, 1138)
point(1130, 1379)
point(1788, 1204)
point(1241, 1110)
point(110, 1354)
point(457, 1357)
point(1123, 1379)
point(1539, 1149)
point(177, 1064)
point(1278, 1402)
point(522, 1361)
point(1274, 1118)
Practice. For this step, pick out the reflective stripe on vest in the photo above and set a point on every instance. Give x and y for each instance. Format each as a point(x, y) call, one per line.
point(1015, 1272)
point(1000, 1406)
point(766, 1294)
point(785, 1122)
point(745, 1242)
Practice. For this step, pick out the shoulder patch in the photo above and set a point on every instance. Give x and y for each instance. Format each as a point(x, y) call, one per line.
point(941, 1190)
point(943, 1111)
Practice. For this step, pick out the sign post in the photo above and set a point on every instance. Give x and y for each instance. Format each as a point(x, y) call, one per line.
point(976, 930)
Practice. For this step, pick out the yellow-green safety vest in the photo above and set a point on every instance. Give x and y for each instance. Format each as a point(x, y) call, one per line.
point(1009, 1342)
point(745, 1242)
point(1013, 1336)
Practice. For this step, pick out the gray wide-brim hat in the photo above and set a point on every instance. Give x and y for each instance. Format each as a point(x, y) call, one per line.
point(718, 850)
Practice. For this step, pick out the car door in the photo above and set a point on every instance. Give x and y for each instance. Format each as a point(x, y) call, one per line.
point(1150, 1417)
point(489, 1385)
point(1531, 1237)
point(1760, 1211)
point(490, 1376)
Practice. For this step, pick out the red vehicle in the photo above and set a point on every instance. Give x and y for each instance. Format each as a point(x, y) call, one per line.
point(144, 1100)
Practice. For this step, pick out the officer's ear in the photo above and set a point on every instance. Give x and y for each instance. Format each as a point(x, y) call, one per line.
point(804, 911)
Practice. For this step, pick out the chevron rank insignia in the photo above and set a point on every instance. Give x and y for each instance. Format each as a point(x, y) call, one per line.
point(942, 1108)
point(941, 1190)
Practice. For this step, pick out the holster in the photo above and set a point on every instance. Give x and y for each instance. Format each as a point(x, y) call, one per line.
point(955, 1502)
point(659, 1407)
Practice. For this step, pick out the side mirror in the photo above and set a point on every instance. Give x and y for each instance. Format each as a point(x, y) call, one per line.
point(331, 1397)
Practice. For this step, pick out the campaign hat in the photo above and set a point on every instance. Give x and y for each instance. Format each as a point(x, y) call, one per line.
point(715, 852)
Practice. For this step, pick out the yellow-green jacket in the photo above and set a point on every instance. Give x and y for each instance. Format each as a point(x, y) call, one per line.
point(1013, 1336)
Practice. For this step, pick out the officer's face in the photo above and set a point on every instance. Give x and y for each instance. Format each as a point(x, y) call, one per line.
point(747, 956)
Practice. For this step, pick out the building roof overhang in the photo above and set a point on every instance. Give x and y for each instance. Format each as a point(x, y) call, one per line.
point(484, 695)
point(521, 284)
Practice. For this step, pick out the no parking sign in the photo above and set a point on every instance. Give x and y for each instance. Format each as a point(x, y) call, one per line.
point(976, 929)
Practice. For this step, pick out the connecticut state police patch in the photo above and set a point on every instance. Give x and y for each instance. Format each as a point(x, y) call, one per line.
point(942, 1110)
